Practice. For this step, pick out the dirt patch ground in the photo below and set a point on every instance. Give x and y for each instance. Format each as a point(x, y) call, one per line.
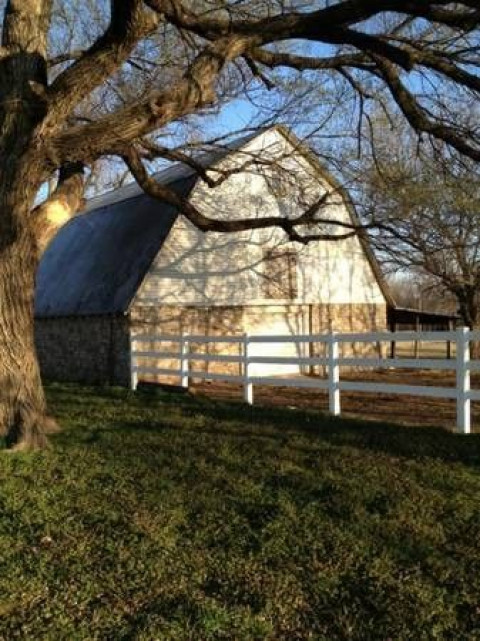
point(407, 410)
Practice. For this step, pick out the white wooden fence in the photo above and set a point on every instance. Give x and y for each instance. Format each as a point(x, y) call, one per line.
point(333, 361)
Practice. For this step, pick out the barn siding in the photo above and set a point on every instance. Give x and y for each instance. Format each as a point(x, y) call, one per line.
point(214, 269)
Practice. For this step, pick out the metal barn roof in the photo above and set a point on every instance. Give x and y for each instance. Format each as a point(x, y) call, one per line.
point(95, 263)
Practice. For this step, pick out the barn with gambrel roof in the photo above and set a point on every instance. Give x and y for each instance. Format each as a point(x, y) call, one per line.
point(131, 264)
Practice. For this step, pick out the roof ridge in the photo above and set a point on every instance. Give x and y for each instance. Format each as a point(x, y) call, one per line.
point(176, 171)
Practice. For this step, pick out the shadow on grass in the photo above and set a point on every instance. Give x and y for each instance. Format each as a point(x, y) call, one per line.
point(240, 421)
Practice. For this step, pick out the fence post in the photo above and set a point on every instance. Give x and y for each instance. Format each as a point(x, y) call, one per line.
point(184, 349)
point(133, 369)
point(333, 376)
point(247, 385)
point(463, 380)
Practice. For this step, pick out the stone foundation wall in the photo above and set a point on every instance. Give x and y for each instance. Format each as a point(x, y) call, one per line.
point(84, 349)
point(97, 349)
point(355, 318)
point(218, 321)
point(172, 320)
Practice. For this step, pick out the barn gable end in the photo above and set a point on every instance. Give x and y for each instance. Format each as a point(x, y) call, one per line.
point(131, 264)
point(218, 283)
point(215, 269)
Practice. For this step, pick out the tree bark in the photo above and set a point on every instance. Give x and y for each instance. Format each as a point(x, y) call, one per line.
point(24, 234)
point(23, 411)
point(23, 419)
point(23, 106)
point(469, 313)
point(64, 203)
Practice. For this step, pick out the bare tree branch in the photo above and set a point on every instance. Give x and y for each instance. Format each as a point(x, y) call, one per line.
point(195, 90)
point(417, 117)
point(129, 23)
point(63, 204)
point(206, 224)
point(343, 14)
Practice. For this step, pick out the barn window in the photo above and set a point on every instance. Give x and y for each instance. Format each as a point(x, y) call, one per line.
point(279, 185)
point(280, 274)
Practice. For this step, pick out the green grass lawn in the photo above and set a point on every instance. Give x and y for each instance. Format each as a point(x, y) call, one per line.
point(161, 516)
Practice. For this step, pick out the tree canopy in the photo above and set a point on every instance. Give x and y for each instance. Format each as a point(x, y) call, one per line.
point(426, 204)
point(110, 77)
point(82, 81)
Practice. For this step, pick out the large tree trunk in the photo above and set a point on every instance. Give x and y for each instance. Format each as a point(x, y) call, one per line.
point(23, 419)
point(22, 402)
point(23, 106)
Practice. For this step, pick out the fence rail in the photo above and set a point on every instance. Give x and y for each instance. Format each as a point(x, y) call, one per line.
point(332, 361)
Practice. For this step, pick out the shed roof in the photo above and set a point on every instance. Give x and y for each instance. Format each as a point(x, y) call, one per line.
point(398, 316)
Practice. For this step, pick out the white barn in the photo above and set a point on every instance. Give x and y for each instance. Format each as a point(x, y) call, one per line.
point(130, 264)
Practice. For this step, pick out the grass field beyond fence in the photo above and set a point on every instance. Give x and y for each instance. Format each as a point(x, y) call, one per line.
point(162, 516)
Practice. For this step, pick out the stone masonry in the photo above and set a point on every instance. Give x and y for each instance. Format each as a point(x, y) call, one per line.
point(92, 349)
point(218, 321)
point(96, 349)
